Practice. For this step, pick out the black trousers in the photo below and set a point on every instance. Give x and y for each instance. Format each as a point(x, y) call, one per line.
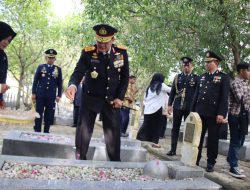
point(151, 127)
point(177, 118)
point(209, 124)
point(75, 114)
point(163, 124)
point(111, 128)
point(46, 106)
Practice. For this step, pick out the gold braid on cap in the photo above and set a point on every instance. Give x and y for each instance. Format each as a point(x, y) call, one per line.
point(210, 59)
point(103, 39)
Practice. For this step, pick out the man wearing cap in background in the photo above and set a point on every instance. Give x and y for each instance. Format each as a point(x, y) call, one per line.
point(180, 98)
point(106, 71)
point(46, 89)
point(211, 103)
point(239, 104)
point(7, 34)
point(128, 104)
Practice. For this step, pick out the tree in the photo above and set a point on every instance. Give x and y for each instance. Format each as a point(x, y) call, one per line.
point(27, 17)
point(38, 30)
point(165, 30)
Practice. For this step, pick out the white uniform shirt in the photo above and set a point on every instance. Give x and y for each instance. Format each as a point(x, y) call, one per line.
point(154, 102)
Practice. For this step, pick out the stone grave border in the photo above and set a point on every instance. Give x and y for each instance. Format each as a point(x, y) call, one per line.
point(197, 182)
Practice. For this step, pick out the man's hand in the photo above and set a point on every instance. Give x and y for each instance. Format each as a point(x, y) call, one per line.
point(70, 93)
point(58, 99)
point(220, 119)
point(33, 97)
point(117, 103)
point(4, 88)
point(2, 104)
point(170, 110)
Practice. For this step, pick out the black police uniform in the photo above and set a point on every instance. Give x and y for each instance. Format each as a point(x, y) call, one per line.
point(211, 99)
point(47, 85)
point(181, 97)
point(5, 31)
point(106, 78)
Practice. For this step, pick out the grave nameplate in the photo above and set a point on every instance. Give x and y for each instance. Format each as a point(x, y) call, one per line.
point(189, 133)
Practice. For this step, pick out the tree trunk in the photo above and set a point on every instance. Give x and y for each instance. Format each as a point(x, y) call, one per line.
point(20, 92)
point(236, 53)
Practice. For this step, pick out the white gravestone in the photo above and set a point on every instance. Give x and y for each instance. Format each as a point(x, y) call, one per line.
point(191, 139)
point(134, 122)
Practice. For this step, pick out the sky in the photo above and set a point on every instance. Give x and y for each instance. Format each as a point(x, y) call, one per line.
point(64, 8)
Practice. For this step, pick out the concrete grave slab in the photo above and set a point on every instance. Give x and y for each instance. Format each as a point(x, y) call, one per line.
point(197, 184)
point(38, 144)
point(182, 172)
point(65, 121)
point(63, 184)
point(59, 146)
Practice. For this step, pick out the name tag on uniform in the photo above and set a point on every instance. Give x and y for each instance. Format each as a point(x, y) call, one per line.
point(95, 61)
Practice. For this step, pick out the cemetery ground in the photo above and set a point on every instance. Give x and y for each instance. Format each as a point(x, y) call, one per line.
point(220, 175)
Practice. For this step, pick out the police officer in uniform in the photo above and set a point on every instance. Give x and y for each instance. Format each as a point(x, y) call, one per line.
point(180, 99)
point(211, 103)
point(46, 89)
point(106, 71)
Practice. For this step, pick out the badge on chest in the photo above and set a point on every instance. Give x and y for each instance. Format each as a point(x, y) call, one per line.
point(55, 72)
point(217, 79)
point(43, 71)
point(118, 60)
point(94, 74)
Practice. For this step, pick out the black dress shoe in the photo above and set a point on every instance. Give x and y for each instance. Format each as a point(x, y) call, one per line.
point(171, 153)
point(210, 168)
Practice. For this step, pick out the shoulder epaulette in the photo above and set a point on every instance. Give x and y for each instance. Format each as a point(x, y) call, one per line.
point(89, 48)
point(121, 47)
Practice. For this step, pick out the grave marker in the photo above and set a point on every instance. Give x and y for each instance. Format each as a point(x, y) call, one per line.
point(191, 139)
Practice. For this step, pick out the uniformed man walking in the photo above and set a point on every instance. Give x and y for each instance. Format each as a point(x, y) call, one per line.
point(180, 99)
point(46, 89)
point(106, 71)
point(211, 103)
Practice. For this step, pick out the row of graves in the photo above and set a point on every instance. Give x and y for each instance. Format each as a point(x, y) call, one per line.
point(32, 160)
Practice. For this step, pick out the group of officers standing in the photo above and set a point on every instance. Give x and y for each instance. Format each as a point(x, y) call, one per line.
point(106, 71)
point(208, 95)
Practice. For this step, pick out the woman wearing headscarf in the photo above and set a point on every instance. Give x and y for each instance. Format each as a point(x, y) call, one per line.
point(7, 34)
point(154, 101)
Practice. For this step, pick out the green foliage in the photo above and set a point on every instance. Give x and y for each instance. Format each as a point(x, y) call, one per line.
point(37, 30)
point(159, 32)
